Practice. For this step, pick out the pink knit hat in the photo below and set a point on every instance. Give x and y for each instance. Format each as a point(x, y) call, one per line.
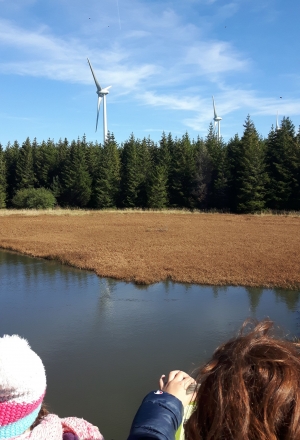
point(22, 386)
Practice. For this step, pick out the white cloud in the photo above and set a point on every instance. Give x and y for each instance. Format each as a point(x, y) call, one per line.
point(41, 54)
point(171, 102)
point(214, 57)
point(232, 100)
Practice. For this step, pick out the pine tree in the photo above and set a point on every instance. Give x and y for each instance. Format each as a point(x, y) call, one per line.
point(24, 170)
point(130, 173)
point(219, 173)
point(145, 151)
point(45, 161)
point(3, 183)
point(157, 191)
point(252, 176)
point(11, 154)
point(61, 155)
point(76, 178)
point(182, 172)
point(283, 167)
point(107, 185)
point(203, 176)
point(233, 159)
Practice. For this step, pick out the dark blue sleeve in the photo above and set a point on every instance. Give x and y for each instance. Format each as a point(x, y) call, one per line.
point(158, 417)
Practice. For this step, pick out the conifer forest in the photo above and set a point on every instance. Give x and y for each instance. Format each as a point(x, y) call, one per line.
point(245, 175)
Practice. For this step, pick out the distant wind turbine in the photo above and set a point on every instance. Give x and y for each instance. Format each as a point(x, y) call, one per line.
point(101, 94)
point(217, 120)
point(277, 125)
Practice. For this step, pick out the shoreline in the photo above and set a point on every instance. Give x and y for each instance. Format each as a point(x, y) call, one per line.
point(149, 247)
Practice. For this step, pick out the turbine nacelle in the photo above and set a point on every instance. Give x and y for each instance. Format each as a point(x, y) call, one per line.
point(104, 91)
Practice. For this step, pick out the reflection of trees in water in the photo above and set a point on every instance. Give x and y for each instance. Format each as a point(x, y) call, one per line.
point(254, 295)
point(141, 286)
point(289, 297)
point(167, 284)
point(216, 290)
point(30, 270)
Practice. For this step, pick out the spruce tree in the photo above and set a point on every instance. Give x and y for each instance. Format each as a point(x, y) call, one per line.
point(157, 190)
point(3, 184)
point(107, 184)
point(25, 177)
point(233, 159)
point(201, 187)
point(219, 172)
point(283, 164)
point(45, 163)
point(76, 178)
point(252, 175)
point(182, 172)
point(61, 155)
point(11, 154)
point(130, 173)
point(146, 155)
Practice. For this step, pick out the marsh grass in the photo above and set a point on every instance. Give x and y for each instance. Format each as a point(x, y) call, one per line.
point(150, 246)
point(79, 212)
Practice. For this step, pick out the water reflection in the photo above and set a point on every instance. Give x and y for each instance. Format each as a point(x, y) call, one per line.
point(104, 343)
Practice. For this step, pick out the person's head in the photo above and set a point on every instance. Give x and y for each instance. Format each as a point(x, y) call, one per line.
point(22, 386)
point(249, 390)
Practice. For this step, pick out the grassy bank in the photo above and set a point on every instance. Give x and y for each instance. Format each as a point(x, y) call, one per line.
point(146, 247)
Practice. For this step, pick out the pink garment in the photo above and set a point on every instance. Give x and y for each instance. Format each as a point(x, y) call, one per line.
point(52, 428)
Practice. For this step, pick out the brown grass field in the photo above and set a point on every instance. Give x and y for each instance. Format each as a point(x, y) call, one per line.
point(146, 247)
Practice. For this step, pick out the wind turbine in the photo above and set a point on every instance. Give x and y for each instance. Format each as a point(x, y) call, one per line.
point(217, 120)
point(277, 125)
point(101, 94)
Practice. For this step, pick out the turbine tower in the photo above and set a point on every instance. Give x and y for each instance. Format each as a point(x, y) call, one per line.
point(101, 94)
point(217, 120)
point(277, 125)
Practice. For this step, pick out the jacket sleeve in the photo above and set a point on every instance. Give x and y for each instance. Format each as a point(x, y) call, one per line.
point(158, 417)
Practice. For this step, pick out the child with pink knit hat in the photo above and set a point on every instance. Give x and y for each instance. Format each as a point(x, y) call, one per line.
point(22, 390)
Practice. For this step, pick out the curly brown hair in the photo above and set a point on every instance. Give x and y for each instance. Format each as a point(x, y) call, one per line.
point(41, 415)
point(250, 389)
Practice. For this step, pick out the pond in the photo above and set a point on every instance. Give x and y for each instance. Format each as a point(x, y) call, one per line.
point(105, 343)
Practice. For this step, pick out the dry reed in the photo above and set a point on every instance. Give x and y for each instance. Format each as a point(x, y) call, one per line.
point(146, 247)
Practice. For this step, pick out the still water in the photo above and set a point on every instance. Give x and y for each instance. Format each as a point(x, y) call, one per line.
point(105, 343)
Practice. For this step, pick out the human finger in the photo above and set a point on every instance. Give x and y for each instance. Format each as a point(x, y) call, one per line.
point(173, 374)
point(161, 381)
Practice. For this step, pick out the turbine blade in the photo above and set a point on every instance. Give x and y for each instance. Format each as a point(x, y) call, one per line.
point(215, 124)
point(94, 76)
point(98, 110)
point(215, 113)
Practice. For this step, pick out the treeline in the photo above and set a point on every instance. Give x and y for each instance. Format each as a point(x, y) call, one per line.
point(247, 174)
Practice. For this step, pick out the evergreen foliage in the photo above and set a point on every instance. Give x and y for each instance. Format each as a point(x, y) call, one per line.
point(201, 188)
point(251, 171)
point(245, 175)
point(3, 184)
point(283, 162)
point(25, 177)
point(218, 168)
point(130, 174)
point(34, 198)
point(109, 175)
point(77, 182)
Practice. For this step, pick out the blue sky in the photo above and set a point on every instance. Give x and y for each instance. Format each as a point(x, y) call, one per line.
point(163, 59)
